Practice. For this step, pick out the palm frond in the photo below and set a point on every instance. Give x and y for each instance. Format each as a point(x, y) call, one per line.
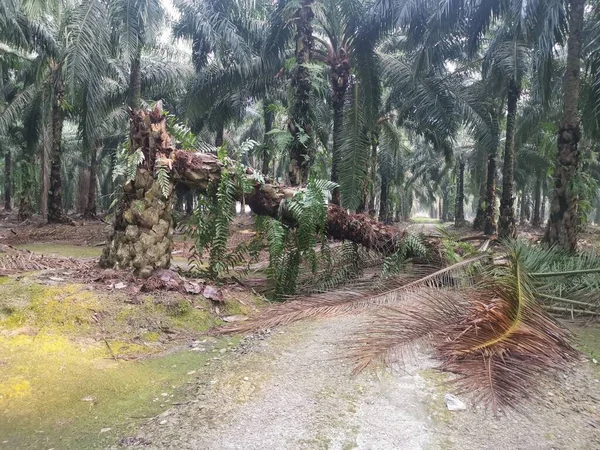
point(492, 333)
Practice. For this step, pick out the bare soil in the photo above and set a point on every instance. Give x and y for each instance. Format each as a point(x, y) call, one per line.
point(294, 390)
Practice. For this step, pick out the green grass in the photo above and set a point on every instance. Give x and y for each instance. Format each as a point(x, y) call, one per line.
point(588, 341)
point(74, 251)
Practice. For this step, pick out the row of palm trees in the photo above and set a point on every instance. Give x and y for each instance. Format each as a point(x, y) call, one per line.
point(393, 100)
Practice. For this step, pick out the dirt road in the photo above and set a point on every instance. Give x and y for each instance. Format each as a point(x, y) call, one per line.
point(290, 389)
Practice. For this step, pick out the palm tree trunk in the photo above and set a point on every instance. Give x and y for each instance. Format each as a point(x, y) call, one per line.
point(135, 80)
point(7, 181)
point(45, 168)
point(523, 210)
point(83, 187)
point(383, 201)
point(90, 210)
point(543, 206)
point(480, 214)
point(563, 223)
point(300, 124)
point(219, 139)
point(268, 117)
point(506, 222)
point(537, 199)
point(489, 224)
point(459, 215)
point(55, 207)
point(338, 122)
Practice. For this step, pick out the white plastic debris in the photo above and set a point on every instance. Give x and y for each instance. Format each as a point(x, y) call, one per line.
point(453, 403)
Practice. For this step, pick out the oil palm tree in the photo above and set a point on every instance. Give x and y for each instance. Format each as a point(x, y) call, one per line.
point(70, 41)
point(505, 66)
point(563, 224)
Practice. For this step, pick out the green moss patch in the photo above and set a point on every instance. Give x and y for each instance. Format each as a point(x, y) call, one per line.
point(78, 368)
point(67, 395)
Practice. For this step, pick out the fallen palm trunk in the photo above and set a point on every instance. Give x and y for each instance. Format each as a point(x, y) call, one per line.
point(142, 234)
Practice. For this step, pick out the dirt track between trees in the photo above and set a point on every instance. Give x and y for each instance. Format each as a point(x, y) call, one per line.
point(291, 390)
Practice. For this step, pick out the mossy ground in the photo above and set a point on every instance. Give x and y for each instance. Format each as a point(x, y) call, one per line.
point(79, 367)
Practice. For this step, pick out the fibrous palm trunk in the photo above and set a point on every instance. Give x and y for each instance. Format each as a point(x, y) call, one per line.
point(90, 209)
point(383, 200)
point(537, 199)
point(524, 208)
point(55, 207)
point(135, 80)
point(142, 235)
point(220, 139)
point(300, 122)
point(45, 168)
point(480, 214)
point(7, 181)
point(459, 214)
point(83, 187)
point(268, 117)
point(506, 222)
point(563, 223)
point(489, 223)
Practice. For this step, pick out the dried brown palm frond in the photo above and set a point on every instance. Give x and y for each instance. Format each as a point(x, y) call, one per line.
point(362, 296)
point(493, 334)
point(13, 261)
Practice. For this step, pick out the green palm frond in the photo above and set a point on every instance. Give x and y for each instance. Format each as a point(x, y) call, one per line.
point(355, 148)
point(87, 32)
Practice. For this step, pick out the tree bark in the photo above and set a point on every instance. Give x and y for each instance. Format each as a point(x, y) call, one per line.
point(543, 206)
point(135, 80)
point(45, 168)
point(142, 234)
point(83, 187)
point(383, 201)
point(459, 215)
point(523, 211)
point(480, 214)
point(219, 139)
point(489, 224)
point(90, 210)
point(55, 206)
point(268, 117)
point(563, 224)
point(7, 181)
point(300, 122)
point(143, 230)
point(506, 222)
point(537, 199)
